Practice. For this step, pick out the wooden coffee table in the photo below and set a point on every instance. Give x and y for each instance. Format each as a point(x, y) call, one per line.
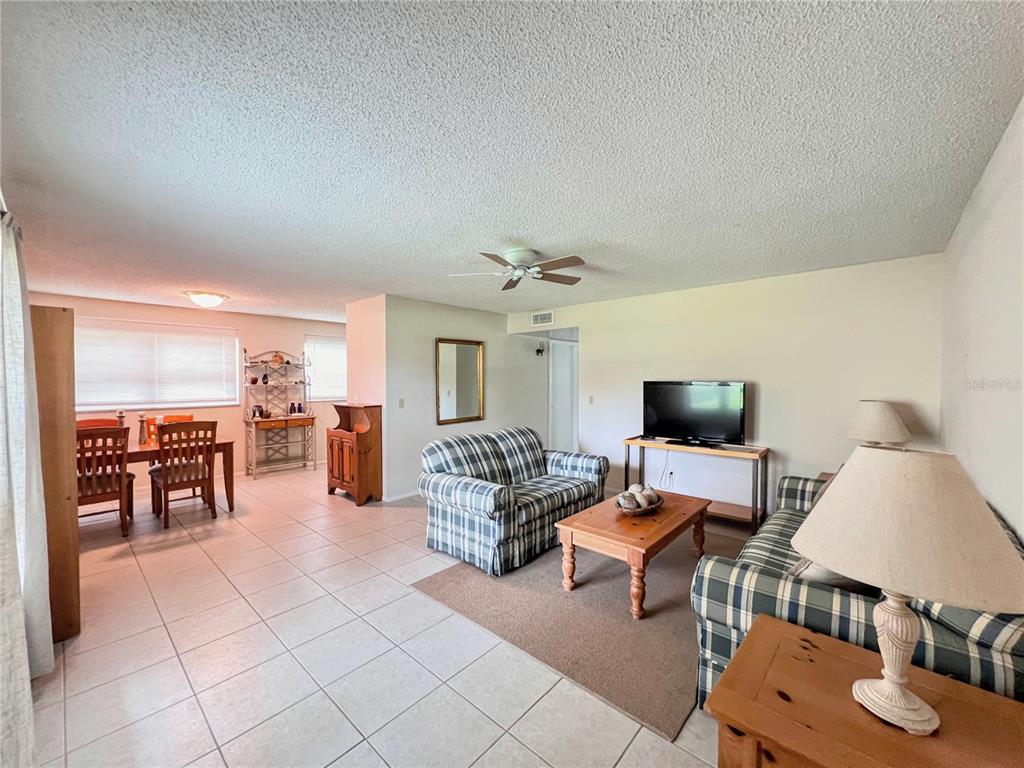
point(634, 540)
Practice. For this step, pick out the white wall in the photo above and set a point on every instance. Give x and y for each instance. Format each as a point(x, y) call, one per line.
point(258, 333)
point(982, 413)
point(515, 381)
point(811, 344)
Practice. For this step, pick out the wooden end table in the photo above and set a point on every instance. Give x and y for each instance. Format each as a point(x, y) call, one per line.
point(634, 540)
point(785, 700)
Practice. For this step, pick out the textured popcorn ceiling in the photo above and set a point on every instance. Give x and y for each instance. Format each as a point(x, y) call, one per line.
point(298, 156)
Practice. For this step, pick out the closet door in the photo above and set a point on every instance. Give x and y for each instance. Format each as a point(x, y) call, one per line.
point(53, 337)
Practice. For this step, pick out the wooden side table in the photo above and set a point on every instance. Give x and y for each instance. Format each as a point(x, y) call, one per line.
point(784, 701)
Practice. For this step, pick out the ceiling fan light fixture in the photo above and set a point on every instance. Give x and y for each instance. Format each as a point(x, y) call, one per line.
point(205, 299)
point(519, 263)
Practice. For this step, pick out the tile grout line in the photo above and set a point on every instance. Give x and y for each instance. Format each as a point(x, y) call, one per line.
point(289, 651)
point(177, 656)
point(622, 754)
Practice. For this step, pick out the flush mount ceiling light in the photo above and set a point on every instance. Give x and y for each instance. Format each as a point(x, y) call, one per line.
point(206, 299)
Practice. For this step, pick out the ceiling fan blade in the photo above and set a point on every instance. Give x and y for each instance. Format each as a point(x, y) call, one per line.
point(512, 283)
point(495, 258)
point(562, 263)
point(473, 274)
point(563, 279)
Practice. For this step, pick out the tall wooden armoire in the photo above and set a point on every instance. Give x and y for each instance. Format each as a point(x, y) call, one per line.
point(53, 338)
point(354, 458)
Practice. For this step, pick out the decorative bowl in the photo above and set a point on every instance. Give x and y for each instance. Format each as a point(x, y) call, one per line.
point(642, 510)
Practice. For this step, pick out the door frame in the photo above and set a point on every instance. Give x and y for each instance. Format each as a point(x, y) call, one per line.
point(576, 400)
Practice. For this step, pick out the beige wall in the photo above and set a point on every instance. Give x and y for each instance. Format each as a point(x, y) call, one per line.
point(982, 413)
point(812, 344)
point(255, 332)
point(516, 383)
point(366, 324)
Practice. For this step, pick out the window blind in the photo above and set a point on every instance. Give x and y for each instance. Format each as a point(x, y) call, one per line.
point(328, 367)
point(125, 364)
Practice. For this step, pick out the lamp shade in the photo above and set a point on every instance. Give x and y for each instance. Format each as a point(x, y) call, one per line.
point(876, 421)
point(913, 523)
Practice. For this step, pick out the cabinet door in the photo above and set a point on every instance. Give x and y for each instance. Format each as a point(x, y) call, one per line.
point(348, 462)
point(334, 459)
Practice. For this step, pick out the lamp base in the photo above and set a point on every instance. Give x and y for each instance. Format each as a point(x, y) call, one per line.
point(895, 704)
point(898, 629)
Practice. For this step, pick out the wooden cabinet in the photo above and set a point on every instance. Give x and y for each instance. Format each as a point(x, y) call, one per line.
point(784, 701)
point(53, 332)
point(354, 460)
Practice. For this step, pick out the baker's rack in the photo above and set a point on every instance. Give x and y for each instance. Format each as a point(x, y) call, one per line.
point(277, 439)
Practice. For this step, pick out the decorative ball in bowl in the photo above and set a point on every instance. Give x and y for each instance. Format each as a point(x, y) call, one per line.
point(639, 500)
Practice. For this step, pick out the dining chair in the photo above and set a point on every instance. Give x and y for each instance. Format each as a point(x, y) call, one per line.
point(87, 423)
point(102, 464)
point(186, 451)
point(153, 422)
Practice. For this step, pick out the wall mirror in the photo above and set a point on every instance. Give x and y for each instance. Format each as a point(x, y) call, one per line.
point(459, 376)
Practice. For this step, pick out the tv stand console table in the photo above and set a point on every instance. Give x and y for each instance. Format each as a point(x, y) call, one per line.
point(757, 456)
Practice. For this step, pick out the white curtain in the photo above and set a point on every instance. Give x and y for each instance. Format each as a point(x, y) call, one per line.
point(26, 643)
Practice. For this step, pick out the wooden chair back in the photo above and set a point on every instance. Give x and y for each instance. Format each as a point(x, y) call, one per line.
point(102, 461)
point(186, 452)
point(87, 423)
point(171, 418)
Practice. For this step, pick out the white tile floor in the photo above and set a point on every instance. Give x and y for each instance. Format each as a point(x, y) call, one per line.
point(286, 634)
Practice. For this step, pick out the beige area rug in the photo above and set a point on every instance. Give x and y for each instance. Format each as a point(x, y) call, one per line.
point(646, 668)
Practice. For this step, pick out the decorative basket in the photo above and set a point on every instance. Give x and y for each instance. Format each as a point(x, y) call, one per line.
point(643, 510)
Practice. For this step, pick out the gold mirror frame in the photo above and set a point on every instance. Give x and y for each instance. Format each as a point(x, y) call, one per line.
point(479, 380)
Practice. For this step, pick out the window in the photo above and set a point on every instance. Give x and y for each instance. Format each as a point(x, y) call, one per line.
point(125, 364)
point(328, 366)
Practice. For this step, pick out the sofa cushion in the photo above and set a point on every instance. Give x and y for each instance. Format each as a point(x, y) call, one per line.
point(1003, 632)
point(772, 546)
point(471, 455)
point(522, 450)
point(540, 495)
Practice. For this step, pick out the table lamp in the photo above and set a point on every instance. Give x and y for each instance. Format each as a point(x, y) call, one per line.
point(875, 422)
point(913, 524)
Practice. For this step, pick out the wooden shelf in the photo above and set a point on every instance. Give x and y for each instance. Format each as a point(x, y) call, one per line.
point(748, 452)
point(729, 511)
point(755, 454)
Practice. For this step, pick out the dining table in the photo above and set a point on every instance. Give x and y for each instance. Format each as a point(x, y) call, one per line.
point(149, 452)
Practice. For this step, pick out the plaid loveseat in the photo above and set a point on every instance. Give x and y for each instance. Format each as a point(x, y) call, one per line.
point(978, 648)
point(493, 499)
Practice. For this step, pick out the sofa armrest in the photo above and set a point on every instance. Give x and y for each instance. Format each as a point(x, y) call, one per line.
point(477, 496)
point(584, 466)
point(797, 492)
point(733, 594)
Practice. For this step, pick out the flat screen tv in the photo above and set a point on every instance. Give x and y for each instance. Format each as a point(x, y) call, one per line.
point(697, 412)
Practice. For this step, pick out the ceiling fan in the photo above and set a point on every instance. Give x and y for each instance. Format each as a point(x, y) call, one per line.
point(517, 263)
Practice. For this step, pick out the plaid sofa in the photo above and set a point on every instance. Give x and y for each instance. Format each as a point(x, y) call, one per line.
point(978, 648)
point(493, 499)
